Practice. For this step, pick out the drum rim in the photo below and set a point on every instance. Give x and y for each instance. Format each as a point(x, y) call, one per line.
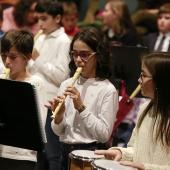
point(99, 168)
point(87, 159)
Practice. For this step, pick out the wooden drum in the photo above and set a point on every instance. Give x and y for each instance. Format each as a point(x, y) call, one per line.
point(82, 159)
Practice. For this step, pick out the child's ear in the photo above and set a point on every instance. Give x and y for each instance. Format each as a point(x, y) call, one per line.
point(29, 56)
point(58, 19)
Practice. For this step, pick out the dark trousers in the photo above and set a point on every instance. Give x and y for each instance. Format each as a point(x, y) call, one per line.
point(53, 146)
point(123, 134)
point(11, 164)
point(67, 148)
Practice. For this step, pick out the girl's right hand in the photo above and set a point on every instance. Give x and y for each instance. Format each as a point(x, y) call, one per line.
point(53, 104)
point(112, 153)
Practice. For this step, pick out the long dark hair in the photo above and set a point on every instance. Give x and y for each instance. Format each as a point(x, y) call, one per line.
point(158, 64)
point(98, 42)
point(20, 10)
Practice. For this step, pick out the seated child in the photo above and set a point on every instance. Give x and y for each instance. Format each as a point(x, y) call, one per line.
point(70, 18)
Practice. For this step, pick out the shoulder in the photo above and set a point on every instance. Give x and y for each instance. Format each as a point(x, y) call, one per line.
point(36, 80)
point(150, 39)
point(151, 35)
point(63, 37)
point(106, 86)
point(143, 107)
point(60, 36)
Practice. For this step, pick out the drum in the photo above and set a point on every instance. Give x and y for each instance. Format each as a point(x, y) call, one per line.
point(104, 164)
point(81, 159)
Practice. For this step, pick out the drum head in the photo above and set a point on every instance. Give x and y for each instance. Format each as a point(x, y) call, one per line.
point(85, 155)
point(109, 165)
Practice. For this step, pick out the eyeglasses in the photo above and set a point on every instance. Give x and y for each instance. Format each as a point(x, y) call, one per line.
point(142, 76)
point(83, 55)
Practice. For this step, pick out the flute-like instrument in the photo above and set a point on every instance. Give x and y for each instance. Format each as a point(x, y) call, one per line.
point(135, 92)
point(6, 73)
point(37, 35)
point(75, 77)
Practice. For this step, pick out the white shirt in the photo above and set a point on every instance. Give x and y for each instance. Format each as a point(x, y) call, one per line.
point(52, 64)
point(96, 122)
point(166, 43)
point(2, 67)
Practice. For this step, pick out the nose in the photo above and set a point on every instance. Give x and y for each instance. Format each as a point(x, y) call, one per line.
point(40, 23)
point(139, 80)
point(7, 61)
point(35, 15)
point(79, 59)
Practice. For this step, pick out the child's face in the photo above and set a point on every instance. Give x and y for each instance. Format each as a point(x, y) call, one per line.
point(89, 66)
point(47, 23)
point(15, 61)
point(30, 15)
point(164, 23)
point(109, 16)
point(69, 22)
point(146, 82)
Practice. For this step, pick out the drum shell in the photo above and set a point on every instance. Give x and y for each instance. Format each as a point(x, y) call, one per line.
point(82, 162)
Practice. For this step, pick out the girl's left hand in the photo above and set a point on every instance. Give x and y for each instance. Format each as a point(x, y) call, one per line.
point(74, 94)
point(132, 164)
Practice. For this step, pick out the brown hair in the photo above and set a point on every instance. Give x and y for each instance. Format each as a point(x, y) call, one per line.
point(70, 8)
point(21, 39)
point(165, 8)
point(158, 64)
point(20, 10)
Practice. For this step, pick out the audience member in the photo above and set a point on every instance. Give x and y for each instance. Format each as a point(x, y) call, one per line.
point(21, 15)
point(119, 27)
point(70, 18)
point(86, 118)
point(16, 51)
point(1, 19)
point(50, 61)
point(149, 146)
point(160, 41)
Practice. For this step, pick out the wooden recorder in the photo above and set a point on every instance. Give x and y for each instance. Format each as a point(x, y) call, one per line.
point(6, 73)
point(75, 77)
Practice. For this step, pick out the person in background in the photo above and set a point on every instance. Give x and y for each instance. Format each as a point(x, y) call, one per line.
point(1, 19)
point(160, 41)
point(21, 15)
point(86, 118)
point(50, 61)
point(119, 28)
point(70, 18)
point(16, 51)
point(149, 146)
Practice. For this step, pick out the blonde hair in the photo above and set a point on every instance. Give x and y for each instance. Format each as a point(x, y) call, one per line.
point(123, 21)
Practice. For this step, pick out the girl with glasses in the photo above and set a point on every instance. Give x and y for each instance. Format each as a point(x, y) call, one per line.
point(149, 146)
point(86, 118)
